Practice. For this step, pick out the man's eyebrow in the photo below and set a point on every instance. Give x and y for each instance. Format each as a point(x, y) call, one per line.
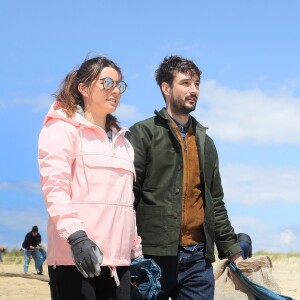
point(186, 79)
point(189, 79)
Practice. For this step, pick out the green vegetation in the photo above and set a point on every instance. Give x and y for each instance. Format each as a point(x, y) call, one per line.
point(277, 256)
point(16, 256)
point(273, 256)
point(13, 256)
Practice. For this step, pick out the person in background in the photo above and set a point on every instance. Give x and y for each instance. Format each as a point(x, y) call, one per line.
point(2, 250)
point(178, 192)
point(30, 247)
point(246, 244)
point(87, 172)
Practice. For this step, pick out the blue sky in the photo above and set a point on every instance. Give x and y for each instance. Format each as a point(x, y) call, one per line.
point(249, 99)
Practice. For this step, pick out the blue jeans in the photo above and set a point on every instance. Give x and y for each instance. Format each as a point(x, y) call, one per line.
point(38, 255)
point(188, 276)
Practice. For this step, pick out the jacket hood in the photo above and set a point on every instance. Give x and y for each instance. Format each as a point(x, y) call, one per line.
point(56, 112)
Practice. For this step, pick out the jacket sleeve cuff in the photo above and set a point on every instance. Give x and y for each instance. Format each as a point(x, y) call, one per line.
point(136, 251)
point(136, 254)
point(71, 229)
point(234, 249)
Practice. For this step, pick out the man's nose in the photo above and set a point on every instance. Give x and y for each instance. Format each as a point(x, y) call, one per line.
point(194, 89)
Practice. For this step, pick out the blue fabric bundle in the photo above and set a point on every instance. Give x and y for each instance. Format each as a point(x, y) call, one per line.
point(146, 273)
point(260, 292)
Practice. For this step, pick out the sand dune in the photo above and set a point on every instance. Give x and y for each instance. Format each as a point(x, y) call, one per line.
point(286, 271)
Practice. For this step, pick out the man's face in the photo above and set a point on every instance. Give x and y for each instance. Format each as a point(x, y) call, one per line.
point(34, 233)
point(184, 93)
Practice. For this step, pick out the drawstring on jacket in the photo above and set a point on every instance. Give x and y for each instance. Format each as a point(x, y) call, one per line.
point(114, 274)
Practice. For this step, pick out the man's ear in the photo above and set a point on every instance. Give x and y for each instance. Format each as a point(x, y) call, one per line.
point(166, 89)
point(83, 89)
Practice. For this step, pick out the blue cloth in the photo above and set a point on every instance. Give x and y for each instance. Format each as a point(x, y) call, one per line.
point(146, 273)
point(42, 257)
point(259, 291)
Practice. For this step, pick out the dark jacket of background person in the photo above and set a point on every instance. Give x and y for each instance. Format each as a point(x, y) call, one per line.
point(31, 240)
point(158, 188)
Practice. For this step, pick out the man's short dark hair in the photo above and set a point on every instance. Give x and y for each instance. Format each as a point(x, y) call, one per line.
point(172, 65)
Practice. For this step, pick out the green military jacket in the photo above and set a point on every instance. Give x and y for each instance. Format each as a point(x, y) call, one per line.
point(158, 188)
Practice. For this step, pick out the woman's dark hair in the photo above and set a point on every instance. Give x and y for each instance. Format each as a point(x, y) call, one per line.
point(172, 65)
point(68, 96)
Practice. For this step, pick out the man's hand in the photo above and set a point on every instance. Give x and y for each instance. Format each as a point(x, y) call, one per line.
point(86, 254)
point(236, 258)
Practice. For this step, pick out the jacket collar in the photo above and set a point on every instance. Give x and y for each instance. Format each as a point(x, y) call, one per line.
point(164, 115)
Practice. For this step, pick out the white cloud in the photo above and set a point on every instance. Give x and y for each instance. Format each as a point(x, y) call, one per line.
point(258, 230)
point(15, 224)
point(268, 236)
point(243, 115)
point(289, 86)
point(128, 114)
point(30, 187)
point(23, 220)
point(247, 224)
point(277, 241)
point(40, 102)
point(251, 185)
point(287, 237)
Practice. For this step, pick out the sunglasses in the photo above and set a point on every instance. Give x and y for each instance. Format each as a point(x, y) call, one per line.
point(109, 83)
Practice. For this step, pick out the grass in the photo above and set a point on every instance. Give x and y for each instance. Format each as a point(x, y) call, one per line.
point(16, 256)
point(13, 256)
point(277, 256)
point(273, 255)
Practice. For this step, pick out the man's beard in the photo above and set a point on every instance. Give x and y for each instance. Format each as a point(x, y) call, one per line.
point(179, 107)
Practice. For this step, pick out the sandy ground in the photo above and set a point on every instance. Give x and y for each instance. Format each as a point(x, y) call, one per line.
point(16, 288)
point(286, 271)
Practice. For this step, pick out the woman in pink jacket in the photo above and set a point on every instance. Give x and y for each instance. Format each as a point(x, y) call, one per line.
point(87, 173)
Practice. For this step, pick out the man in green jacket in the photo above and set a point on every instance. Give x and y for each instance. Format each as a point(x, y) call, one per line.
point(178, 192)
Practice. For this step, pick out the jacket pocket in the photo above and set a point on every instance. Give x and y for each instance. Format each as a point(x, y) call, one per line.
point(109, 179)
point(158, 174)
point(98, 161)
point(151, 224)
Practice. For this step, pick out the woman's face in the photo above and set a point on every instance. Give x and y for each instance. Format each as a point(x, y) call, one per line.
point(96, 97)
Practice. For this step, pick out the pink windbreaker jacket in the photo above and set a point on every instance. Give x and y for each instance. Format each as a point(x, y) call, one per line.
point(87, 185)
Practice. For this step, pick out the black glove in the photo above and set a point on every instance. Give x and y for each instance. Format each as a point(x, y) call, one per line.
point(85, 253)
